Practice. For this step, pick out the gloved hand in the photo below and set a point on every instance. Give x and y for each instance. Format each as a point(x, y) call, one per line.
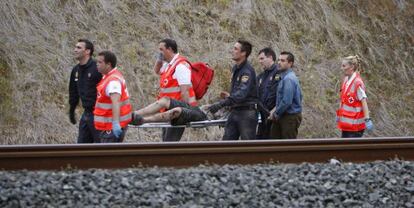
point(369, 125)
point(72, 116)
point(215, 107)
point(160, 57)
point(116, 129)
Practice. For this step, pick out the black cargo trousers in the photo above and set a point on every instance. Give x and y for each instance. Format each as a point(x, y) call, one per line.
point(242, 122)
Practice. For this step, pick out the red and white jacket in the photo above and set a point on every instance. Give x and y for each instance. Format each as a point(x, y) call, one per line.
point(103, 107)
point(350, 114)
point(169, 86)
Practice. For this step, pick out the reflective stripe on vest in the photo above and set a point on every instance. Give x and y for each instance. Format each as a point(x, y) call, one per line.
point(351, 109)
point(108, 106)
point(170, 90)
point(169, 86)
point(103, 106)
point(351, 115)
point(352, 121)
point(109, 119)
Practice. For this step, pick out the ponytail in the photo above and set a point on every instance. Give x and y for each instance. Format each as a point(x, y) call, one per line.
point(354, 60)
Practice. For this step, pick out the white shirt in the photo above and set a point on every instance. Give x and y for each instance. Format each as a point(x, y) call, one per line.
point(113, 86)
point(360, 92)
point(182, 73)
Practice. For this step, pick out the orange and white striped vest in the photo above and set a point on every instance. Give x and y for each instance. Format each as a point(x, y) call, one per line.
point(103, 106)
point(169, 86)
point(350, 114)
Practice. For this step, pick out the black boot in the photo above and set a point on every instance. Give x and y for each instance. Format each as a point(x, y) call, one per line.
point(137, 120)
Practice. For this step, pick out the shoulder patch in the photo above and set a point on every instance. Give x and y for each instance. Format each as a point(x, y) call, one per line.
point(245, 78)
point(276, 77)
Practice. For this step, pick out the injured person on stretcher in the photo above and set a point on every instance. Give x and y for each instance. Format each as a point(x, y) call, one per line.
point(176, 112)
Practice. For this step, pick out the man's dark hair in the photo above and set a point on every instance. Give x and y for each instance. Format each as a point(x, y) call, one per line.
point(245, 47)
point(290, 57)
point(88, 45)
point(268, 52)
point(109, 57)
point(170, 43)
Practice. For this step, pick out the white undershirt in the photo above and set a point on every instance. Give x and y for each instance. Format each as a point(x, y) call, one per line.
point(182, 73)
point(360, 92)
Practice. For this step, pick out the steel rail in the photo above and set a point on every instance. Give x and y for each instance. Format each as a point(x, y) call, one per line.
point(185, 154)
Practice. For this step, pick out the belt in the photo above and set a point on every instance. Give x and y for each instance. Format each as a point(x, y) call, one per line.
point(88, 112)
point(245, 107)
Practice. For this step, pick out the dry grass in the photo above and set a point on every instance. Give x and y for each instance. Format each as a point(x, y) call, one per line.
point(37, 39)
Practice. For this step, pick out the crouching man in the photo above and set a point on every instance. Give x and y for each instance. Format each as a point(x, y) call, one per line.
point(112, 109)
point(177, 112)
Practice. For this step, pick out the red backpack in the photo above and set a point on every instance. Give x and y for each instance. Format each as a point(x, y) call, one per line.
point(201, 76)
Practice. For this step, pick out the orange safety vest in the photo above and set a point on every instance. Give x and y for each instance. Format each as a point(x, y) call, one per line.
point(350, 114)
point(103, 106)
point(169, 86)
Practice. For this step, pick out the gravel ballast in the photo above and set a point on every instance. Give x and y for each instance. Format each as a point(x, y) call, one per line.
point(376, 184)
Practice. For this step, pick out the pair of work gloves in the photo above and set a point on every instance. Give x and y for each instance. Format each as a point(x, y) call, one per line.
point(369, 126)
point(116, 126)
point(213, 108)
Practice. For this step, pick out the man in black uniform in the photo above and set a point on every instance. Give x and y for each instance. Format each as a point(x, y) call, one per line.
point(242, 99)
point(82, 84)
point(267, 83)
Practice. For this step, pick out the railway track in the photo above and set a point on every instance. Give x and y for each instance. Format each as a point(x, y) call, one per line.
point(185, 154)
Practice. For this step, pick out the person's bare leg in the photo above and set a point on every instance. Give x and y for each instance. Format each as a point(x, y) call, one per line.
point(164, 116)
point(154, 107)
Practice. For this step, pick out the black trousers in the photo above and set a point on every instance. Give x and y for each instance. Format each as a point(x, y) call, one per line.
point(352, 134)
point(263, 129)
point(241, 123)
point(109, 137)
point(172, 134)
point(87, 131)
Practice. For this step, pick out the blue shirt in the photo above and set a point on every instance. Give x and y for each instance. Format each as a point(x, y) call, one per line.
point(289, 95)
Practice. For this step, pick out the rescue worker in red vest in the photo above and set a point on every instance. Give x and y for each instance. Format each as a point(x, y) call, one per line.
point(353, 114)
point(175, 83)
point(112, 109)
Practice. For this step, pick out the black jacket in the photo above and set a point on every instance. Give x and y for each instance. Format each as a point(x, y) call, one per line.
point(243, 86)
point(82, 84)
point(267, 86)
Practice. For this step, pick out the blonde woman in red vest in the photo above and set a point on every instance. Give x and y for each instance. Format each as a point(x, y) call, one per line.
point(353, 114)
point(112, 109)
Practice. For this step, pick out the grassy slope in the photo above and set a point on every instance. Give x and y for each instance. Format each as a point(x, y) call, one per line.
point(37, 39)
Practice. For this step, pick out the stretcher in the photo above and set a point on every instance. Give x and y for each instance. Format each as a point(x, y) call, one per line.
point(194, 124)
